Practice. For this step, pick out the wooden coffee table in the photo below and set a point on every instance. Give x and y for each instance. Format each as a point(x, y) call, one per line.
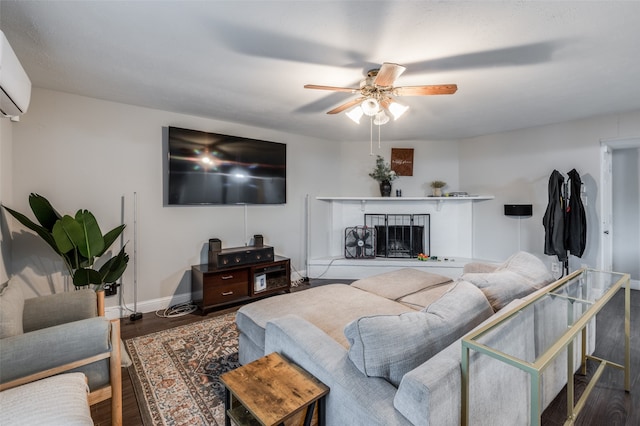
point(270, 391)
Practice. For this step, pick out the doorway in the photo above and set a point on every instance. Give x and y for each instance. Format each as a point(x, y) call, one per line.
point(620, 196)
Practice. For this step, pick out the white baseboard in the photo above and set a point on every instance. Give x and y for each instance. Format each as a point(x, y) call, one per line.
point(154, 305)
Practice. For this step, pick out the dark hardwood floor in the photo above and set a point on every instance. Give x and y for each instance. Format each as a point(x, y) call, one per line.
point(608, 404)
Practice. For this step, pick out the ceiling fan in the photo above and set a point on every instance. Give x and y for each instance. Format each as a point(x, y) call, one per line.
point(377, 92)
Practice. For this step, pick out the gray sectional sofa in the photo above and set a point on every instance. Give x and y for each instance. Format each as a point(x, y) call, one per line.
point(388, 346)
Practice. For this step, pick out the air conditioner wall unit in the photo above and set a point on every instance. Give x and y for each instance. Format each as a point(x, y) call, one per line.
point(15, 86)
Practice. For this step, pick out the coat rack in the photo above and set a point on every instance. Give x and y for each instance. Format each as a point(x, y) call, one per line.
point(565, 220)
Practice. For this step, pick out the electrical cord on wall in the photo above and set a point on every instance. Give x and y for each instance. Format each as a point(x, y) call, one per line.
point(296, 283)
point(326, 269)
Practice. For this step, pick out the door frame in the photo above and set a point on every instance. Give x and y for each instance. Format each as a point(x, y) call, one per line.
point(607, 146)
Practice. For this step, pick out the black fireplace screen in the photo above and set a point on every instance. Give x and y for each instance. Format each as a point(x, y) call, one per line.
point(400, 235)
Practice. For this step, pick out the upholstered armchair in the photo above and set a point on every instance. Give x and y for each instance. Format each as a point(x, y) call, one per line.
point(63, 332)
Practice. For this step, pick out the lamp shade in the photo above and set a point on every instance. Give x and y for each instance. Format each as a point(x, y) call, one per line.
point(370, 107)
point(381, 118)
point(355, 114)
point(518, 209)
point(397, 109)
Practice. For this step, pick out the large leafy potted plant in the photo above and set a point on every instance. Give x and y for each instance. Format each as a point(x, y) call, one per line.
point(78, 241)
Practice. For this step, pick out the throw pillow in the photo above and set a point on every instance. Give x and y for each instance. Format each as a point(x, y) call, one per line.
point(528, 266)
point(389, 346)
point(11, 309)
point(501, 287)
point(517, 277)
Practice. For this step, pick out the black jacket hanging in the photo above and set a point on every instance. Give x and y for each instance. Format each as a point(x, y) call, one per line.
point(553, 220)
point(576, 219)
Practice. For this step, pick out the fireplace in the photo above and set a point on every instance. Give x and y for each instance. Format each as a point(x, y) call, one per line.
point(400, 235)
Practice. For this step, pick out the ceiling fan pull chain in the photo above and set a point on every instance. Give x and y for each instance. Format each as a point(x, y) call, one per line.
point(371, 136)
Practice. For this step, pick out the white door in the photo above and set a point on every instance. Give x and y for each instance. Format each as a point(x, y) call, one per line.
point(606, 192)
point(620, 238)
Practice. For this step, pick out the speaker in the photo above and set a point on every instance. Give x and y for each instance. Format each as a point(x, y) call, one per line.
point(240, 256)
point(518, 209)
point(258, 240)
point(215, 245)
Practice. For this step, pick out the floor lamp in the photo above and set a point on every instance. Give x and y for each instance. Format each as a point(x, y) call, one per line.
point(519, 211)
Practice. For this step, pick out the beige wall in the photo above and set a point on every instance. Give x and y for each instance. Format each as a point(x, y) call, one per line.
point(87, 153)
point(515, 167)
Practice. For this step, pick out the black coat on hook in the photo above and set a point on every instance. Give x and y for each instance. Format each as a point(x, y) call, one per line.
point(576, 226)
point(553, 219)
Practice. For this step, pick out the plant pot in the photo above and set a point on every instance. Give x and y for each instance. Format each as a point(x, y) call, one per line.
point(437, 192)
point(385, 188)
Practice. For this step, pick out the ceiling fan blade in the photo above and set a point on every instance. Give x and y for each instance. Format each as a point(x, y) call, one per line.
point(439, 89)
point(346, 106)
point(332, 88)
point(388, 74)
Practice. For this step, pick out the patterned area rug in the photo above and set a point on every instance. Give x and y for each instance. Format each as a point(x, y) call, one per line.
point(175, 372)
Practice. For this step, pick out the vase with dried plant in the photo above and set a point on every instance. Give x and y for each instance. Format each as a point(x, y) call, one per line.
point(437, 186)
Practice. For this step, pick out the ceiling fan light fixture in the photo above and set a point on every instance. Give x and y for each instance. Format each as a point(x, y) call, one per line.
point(397, 109)
point(370, 107)
point(355, 114)
point(381, 118)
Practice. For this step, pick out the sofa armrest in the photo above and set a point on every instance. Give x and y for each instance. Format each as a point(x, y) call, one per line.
point(42, 350)
point(430, 393)
point(354, 399)
point(54, 309)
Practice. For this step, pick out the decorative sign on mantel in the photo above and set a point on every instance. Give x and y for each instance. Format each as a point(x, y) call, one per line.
point(402, 161)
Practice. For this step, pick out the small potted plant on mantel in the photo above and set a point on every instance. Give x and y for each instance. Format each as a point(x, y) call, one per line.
point(384, 175)
point(437, 186)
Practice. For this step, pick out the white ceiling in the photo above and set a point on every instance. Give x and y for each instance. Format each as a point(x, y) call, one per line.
point(517, 64)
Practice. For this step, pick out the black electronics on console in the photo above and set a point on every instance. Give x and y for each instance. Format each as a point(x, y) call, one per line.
point(215, 244)
point(224, 258)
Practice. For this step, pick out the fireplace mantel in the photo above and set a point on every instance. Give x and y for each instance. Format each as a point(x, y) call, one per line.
point(438, 200)
point(470, 197)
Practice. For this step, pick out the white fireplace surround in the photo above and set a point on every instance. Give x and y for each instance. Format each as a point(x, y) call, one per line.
point(451, 231)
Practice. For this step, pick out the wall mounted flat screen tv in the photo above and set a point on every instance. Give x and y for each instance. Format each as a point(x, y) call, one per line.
point(203, 168)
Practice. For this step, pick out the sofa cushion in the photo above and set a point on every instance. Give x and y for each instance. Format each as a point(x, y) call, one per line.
point(402, 282)
point(57, 400)
point(11, 310)
point(59, 308)
point(520, 275)
point(423, 298)
point(388, 346)
point(329, 307)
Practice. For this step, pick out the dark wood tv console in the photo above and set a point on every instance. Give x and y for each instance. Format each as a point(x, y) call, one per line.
point(213, 287)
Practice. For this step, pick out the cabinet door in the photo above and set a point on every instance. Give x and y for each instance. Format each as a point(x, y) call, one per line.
point(224, 287)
